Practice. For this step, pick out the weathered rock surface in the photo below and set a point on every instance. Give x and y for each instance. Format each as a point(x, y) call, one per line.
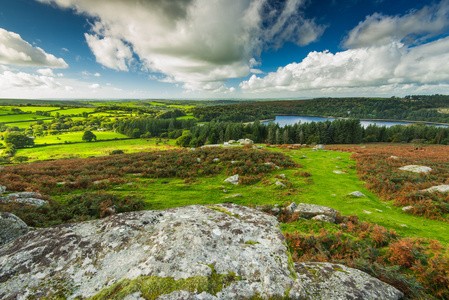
point(324, 218)
point(308, 211)
point(11, 227)
point(319, 147)
point(334, 281)
point(339, 172)
point(80, 260)
point(278, 183)
point(416, 169)
point(407, 208)
point(29, 198)
point(233, 179)
point(439, 188)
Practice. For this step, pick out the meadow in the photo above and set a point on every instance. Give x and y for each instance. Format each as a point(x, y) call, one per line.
point(76, 137)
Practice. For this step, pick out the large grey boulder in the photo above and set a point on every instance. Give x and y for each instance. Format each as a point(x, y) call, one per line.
point(308, 211)
point(192, 243)
point(11, 227)
point(337, 282)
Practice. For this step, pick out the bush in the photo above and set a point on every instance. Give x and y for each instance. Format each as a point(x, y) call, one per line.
point(118, 151)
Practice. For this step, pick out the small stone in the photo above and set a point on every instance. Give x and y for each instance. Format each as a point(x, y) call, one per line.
point(339, 172)
point(416, 169)
point(216, 160)
point(319, 147)
point(403, 225)
point(291, 208)
point(378, 210)
point(367, 212)
point(271, 164)
point(233, 179)
point(439, 188)
point(323, 218)
point(357, 194)
point(275, 209)
point(407, 208)
point(282, 176)
point(225, 191)
point(234, 196)
point(198, 159)
point(278, 183)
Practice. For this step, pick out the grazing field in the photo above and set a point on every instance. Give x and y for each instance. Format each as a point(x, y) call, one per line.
point(20, 118)
point(33, 109)
point(82, 150)
point(73, 111)
point(21, 125)
point(74, 137)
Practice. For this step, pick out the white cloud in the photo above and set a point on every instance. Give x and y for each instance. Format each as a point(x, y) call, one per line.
point(10, 80)
point(414, 27)
point(15, 51)
point(200, 43)
point(110, 52)
point(391, 66)
point(97, 74)
point(46, 72)
point(94, 86)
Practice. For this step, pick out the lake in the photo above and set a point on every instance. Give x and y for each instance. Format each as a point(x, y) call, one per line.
point(290, 120)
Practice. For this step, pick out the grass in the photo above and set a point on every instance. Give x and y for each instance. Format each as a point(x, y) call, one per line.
point(21, 125)
point(33, 109)
point(187, 117)
point(83, 150)
point(73, 111)
point(76, 137)
point(20, 118)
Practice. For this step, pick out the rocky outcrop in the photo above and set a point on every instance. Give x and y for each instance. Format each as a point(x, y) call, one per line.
point(416, 169)
point(357, 194)
point(225, 251)
point(334, 281)
point(319, 147)
point(309, 211)
point(11, 227)
point(29, 198)
point(439, 188)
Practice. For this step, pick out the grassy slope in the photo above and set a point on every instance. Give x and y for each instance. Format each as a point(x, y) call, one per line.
point(76, 137)
point(91, 149)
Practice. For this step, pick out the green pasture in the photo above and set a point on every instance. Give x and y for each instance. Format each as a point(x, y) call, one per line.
point(73, 111)
point(187, 117)
point(21, 125)
point(74, 137)
point(83, 150)
point(20, 118)
point(33, 109)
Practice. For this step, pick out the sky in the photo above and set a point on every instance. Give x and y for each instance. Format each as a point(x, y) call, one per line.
point(217, 49)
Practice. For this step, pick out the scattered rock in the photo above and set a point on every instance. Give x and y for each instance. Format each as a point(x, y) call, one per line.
point(225, 191)
point(233, 179)
point(192, 149)
point(281, 176)
point(11, 227)
point(416, 169)
point(309, 211)
point(61, 183)
point(407, 208)
point(324, 218)
point(216, 160)
point(339, 172)
point(137, 174)
point(303, 156)
point(275, 209)
point(439, 188)
point(378, 210)
point(272, 164)
point(334, 281)
point(319, 147)
point(291, 208)
point(394, 157)
point(79, 260)
point(357, 194)
point(198, 159)
point(29, 198)
point(367, 212)
point(233, 196)
point(403, 225)
point(245, 142)
point(278, 183)
point(231, 141)
point(2, 189)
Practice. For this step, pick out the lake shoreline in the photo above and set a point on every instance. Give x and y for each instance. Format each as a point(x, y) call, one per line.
point(378, 120)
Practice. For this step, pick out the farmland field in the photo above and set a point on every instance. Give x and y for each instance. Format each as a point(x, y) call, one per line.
point(76, 137)
point(20, 118)
point(73, 111)
point(82, 150)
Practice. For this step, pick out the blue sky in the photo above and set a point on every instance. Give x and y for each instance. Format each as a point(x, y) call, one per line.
point(142, 49)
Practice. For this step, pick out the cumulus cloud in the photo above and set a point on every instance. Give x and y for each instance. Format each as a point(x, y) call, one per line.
point(389, 66)
point(414, 27)
point(199, 43)
point(10, 80)
point(46, 72)
point(15, 51)
point(94, 86)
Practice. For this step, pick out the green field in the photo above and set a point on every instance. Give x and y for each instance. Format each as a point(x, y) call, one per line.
point(82, 150)
point(73, 111)
point(187, 117)
point(33, 109)
point(20, 118)
point(76, 137)
point(21, 125)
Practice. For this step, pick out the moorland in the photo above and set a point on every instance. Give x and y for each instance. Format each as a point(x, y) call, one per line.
point(87, 156)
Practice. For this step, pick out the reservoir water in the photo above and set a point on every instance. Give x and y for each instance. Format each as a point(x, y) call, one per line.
point(291, 120)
